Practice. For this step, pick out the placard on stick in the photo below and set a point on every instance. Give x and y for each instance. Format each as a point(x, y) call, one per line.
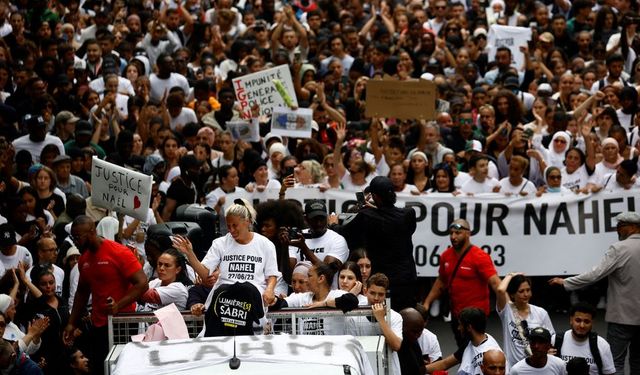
point(258, 88)
point(120, 189)
point(401, 99)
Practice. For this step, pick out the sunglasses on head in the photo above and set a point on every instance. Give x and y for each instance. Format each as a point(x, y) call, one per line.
point(456, 226)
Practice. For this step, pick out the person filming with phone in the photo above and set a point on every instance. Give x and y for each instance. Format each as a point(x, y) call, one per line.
point(319, 243)
point(385, 231)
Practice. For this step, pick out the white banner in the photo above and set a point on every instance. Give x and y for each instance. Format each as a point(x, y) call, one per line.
point(120, 189)
point(258, 88)
point(511, 37)
point(552, 235)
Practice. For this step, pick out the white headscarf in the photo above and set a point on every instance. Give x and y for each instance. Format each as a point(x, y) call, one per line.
point(556, 159)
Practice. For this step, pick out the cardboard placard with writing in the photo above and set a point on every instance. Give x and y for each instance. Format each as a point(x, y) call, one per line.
point(401, 99)
point(259, 88)
point(120, 189)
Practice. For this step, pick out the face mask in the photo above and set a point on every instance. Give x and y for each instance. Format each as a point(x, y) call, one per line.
point(553, 189)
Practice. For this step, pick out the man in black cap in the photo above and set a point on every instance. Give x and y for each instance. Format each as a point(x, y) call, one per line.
point(182, 189)
point(320, 244)
point(83, 133)
point(37, 138)
point(386, 231)
point(539, 362)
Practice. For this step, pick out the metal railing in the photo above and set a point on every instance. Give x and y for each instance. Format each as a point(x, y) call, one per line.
point(292, 321)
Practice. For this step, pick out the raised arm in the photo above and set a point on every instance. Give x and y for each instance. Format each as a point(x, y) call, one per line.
point(341, 133)
point(183, 244)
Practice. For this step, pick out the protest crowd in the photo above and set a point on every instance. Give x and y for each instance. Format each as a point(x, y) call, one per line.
point(234, 107)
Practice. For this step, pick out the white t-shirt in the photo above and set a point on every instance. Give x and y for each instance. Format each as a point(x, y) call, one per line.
point(429, 345)
point(253, 262)
point(513, 343)
point(317, 326)
point(143, 225)
point(124, 86)
point(35, 148)
point(58, 274)
point(159, 86)
point(185, 116)
point(461, 179)
point(329, 244)
point(475, 187)
point(21, 255)
point(571, 349)
point(525, 186)
point(554, 366)
point(362, 326)
point(347, 183)
point(598, 176)
point(472, 356)
point(610, 184)
point(576, 180)
point(176, 292)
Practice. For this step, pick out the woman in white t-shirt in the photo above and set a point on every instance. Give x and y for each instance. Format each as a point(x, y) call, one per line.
point(350, 280)
point(398, 177)
point(261, 180)
point(320, 294)
point(242, 255)
point(518, 316)
point(171, 284)
point(579, 166)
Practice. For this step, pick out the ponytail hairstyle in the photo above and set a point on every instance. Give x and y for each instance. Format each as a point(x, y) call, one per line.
point(242, 209)
point(326, 270)
point(181, 261)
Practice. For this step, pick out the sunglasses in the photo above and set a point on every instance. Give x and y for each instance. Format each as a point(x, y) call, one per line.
point(457, 226)
point(555, 177)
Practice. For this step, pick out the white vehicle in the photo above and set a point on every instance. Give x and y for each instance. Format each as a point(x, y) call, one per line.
point(263, 354)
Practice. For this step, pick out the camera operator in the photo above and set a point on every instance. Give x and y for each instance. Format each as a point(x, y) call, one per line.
point(319, 244)
point(385, 231)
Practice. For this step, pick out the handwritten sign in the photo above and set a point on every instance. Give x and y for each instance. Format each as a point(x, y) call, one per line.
point(400, 99)
point(120, 189)
point(258, 88)
point(243, 130)
point(292, 123)
point(511, 37)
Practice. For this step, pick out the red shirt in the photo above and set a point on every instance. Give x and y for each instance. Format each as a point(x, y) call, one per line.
point(107, 272)
point(470, 286)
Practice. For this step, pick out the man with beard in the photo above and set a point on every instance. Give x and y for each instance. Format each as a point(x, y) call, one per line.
point(620, 263)
point(539, 362)
point(472, 327)
point(465, 270)
point(429, 142)
point(581, 342)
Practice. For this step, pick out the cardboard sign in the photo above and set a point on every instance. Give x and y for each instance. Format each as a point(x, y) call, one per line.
point(290, 123)
point(120, 189)
point(511, 37)
point(243, 130)
point(259, 88)
point(401, 99)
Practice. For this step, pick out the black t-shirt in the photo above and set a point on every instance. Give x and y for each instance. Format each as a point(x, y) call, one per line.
point(386, 234)
point(233, 310)
point(181, 193)
point(58, 207)
point(410, 358)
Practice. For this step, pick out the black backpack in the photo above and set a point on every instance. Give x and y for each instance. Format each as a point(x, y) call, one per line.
point(593, 348)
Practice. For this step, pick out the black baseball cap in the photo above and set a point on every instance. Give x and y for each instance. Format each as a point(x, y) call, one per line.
point(315, 208)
